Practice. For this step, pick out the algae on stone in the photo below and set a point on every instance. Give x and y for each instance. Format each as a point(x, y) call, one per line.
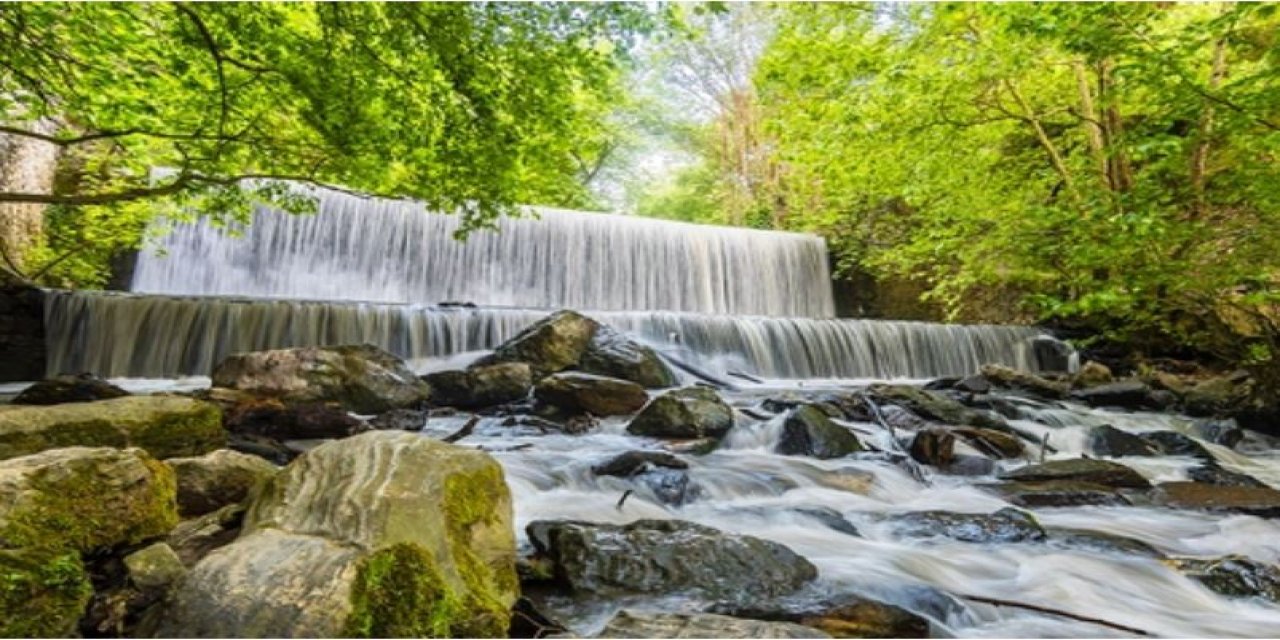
point(164, 426)
point(42, 593)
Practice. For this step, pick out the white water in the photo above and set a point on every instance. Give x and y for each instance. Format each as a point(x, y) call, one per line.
point(157, 336)
point(381, 250)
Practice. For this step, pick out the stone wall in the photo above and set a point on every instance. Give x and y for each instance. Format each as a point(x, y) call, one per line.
point(22, 334)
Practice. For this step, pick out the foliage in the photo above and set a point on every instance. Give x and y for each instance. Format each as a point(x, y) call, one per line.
point(471, 107)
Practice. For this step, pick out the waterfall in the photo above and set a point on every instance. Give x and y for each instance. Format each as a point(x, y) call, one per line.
point(381, 250)
point(120, 335)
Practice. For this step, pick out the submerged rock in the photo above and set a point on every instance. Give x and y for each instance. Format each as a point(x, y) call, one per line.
point(587, 393)
point(481, 386)
point(1223, 432)
point(934, 406)
point(660, 472)
point(634, 624)
point(1099, 472)
point(633, 462)
point(1099, 541)
point(667, 557)
point(1172, 443)
point(1211, 473)
point(217, 479)
point(614, 354)
point(1258, 501)
point(360, 378)
point(1057, 493)
point(164, 426)
point(1107, 440)
point(84, 387)
point(549, 345)
point(846, 616)
point(383, 534)
point(807, 431)
point(1235, 576)
point(1005, 525)
point(686, 413)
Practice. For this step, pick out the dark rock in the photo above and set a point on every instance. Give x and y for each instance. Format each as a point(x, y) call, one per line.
point(84, 387)
point(1213, 474)
point(549, 345)
point(933, 447)
point(612, 353)
point(669, 556)
point(528, 622)
point(1099, 541)
point(844, 616)
point(1101, 472)
point(1172, 443)
point(830, 518)
point(1107, 440)
point(193, 539)
point(1053, 354)
point(903, 419)
point(635, 624)
point(1008, 378)
point(941, 384)
point(400, 420)
point(934, 406)
point(668, 486)
point(1005, 525)
point(481, 386)
point(996, 444)
point(274, 419)
point(966, 465)
point(807, 431)
point(973, 384)
point(1131, 394)
point(1223, 432)
point(633, 462)
point(588, 393)
point(22, 333)
point(1057, 493)
point(1235, 576)
point(686, 413)
point(1259, 501)
point(268, 449)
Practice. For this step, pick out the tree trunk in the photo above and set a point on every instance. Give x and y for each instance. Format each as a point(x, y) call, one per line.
point(1121, 173)
point(1092, 124)
point(1200, 156)
point(26, 166)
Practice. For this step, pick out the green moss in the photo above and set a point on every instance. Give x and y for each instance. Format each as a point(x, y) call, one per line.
point(165, 427)
point(74, 511)
point(400, 593)
point(470, 501)
point(182, 433)
point(42, 593)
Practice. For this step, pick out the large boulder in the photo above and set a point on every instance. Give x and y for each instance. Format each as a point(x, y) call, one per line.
point(687, 413)
point(212, 481)
point(614, 354)
point(361, 378)
point(481, 386)
point(1005, 525)
point(635, 624)
point(83, 387)
point(807, 431)
point(1099, 472)
point(575, 392)
point(1258, 501)
point(668, 556)
point(164, 426)
point(549, 345)
point(384, 534)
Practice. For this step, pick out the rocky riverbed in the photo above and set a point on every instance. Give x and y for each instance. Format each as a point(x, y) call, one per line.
point(573, 482)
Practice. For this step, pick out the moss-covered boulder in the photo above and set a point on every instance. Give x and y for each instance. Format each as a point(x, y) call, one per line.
point(614, 354)
point(384, 534)
point(575, 392)
point(212, 481)
point(691, 412)
point(83, 499)
point(481, 386)
point(549, 345)
point(165, 427)
point(361, 378)
point(42, 593)
point(807, 431)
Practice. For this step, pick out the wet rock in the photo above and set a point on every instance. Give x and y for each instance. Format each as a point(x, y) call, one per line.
point(1003, 526)
point(614, 354)
point(633, 462)
point(848, 479)
point(549, 345)
point(933, 406)
point(1053, 354)
point(1009, 378)
point(360, 378)
point(1100, 472)
point(668, 486)
point(1172, 443)
point(195, 538)
point(384, 534)
point(217, 479)
point(941, 384)
point(400, 420)
point(84, 387)
point(1215, 396)
point(686, 413)
point(1107, 440)
point(807, 431)
point(693, 447)
point(830, 518)
point(1099, 541)
point(1223, 432)
point(154, 567)
point(528, 622)
point(587, 393)
point(1130, 394)
point(1235, 576)
point(1211, 473)
point(481, 386)
point(996, 444)
point(1057, 493)
point(898, 418)
point(164, 426)
point(633, 624)
point(973, 384)
point(933, 447)
point(1259, 501)
point(967, 465)
point(845, 616)
point(668, 556)
point(274, 419)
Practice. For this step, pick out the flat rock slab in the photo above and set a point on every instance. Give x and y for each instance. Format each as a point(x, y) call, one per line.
point(1258, 501)
point(1057, 493)
point(634, 624)
point(1102, 472)
point(165, 427)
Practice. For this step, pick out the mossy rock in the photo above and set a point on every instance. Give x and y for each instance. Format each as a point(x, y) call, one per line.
point(383, 534)
point(549, 345)
point(83, 499)
point(165, 427)
point(686, 413)
point(42, 593)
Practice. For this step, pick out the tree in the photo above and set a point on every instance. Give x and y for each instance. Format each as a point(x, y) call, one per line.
point(470, 107)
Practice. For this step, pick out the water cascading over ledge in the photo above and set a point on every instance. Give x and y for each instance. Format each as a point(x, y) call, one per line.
point(381, 250)
point(128, 335)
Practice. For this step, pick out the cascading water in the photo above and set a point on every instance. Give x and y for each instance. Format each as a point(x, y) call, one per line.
point(380, 250)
